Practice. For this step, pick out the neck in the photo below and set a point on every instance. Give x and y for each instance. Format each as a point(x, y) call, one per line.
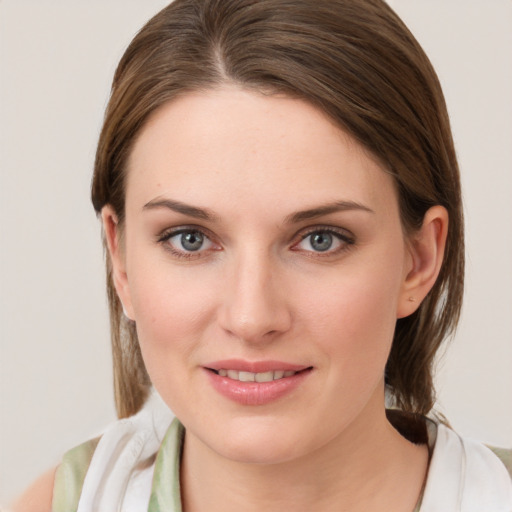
point(369, 466)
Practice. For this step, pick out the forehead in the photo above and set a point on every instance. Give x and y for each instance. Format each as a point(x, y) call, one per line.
point(235, 145)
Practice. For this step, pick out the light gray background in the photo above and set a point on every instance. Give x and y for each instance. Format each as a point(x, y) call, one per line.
point(57, 59)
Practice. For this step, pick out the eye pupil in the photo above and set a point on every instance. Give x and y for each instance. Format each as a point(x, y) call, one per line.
point(192, 241)
point(321, 241)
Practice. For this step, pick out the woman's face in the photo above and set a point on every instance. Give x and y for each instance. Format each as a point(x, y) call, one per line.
point(264, 264)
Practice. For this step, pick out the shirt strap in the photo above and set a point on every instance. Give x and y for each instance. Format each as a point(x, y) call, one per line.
point(70, 476)
point(165, 493)
point(505, 456)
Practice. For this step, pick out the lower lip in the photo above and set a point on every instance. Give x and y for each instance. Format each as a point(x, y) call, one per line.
point(256, 393)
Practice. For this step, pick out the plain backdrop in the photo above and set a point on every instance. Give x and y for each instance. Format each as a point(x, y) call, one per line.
point(57, 59)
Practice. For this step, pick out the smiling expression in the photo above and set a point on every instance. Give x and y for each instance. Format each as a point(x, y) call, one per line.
point(264, 263)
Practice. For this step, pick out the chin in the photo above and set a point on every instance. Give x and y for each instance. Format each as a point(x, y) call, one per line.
point(257, 441)
point(260, 451)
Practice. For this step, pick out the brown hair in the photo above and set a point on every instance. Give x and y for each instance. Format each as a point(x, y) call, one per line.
point(353, 59)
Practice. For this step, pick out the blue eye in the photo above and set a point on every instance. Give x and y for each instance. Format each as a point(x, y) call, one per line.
point(187, 241)
point(321, 241)
point(191, 241)
point(324, 241)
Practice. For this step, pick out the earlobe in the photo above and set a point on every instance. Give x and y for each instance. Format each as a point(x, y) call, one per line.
point(112, 233)
point(425, 255)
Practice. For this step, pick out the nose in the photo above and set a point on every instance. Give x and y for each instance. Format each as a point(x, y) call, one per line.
point(255, 308)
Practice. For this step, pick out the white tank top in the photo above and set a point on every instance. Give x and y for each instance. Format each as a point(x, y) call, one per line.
point(135, 455)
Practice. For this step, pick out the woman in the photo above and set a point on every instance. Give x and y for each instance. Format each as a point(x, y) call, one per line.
point(281, 207)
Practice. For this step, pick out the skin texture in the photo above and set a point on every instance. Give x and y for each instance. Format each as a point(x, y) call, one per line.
point(257, 290)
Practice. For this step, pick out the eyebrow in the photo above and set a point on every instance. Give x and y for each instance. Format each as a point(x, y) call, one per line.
point(294, 218)
point(179, 207)
point(326, 209)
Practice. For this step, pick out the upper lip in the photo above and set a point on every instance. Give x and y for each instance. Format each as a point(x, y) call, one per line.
point(254, 366)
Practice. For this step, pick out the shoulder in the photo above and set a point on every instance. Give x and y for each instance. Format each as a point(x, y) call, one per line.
point(473, 455)
point(70, 476)
point(38, 497)
point(123, 455)
point(124, 445)
point(59, 488)
point(464, 468)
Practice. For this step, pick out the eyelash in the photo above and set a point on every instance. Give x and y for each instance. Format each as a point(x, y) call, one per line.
point(346, 241)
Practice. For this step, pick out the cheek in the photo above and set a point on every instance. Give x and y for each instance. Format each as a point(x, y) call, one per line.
point(354, 316)
point(173, 309)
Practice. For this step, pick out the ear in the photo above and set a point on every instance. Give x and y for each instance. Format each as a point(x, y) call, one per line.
point(113, 237)
point(425, 257)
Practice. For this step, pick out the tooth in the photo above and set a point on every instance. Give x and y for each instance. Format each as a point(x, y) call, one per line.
point(246, 376)
point(255, 377)
point(264, 377)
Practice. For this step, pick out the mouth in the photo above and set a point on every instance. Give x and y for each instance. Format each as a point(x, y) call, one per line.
point(245, 376)
point(256, 383)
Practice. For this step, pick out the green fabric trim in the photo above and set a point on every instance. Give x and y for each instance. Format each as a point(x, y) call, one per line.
point(165, 492)
point(505, 457)
point(70, 476)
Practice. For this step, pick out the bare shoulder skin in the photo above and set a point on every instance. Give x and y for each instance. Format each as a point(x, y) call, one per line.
point(38, 497)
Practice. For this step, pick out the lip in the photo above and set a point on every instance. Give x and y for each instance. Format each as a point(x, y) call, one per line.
point(255, 393)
